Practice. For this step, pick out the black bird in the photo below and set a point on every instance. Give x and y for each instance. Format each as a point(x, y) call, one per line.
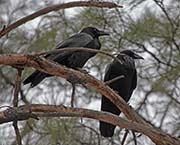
point(124, 86)
point(87, 37)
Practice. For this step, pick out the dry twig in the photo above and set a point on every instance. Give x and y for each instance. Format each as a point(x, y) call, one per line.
point(15, 103)
point(18, 136)
point(114, 79)
point(134, 137)
point(125, 136)
point(73, 94)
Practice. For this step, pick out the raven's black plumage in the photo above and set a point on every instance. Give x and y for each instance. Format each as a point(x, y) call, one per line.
point(123, 86)
point(88, 38)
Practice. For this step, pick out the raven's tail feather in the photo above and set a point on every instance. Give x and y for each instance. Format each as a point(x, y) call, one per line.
point(106, 129)
point(35, 78)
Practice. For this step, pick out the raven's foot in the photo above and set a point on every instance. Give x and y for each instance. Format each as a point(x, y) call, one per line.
point(130, 106)
point(82, 70)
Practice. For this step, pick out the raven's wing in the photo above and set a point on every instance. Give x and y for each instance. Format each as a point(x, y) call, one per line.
point(107, 129)
point(77, 40)
point(108, 72)
point(134, 83)
point(132, 74)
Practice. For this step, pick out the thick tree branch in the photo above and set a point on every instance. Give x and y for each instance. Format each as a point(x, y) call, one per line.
point(46, 10)
point(27, 111)
point(41, 64)
point(73, 76)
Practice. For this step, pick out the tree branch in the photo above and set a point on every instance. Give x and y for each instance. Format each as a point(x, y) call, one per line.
point(17, 87)
point(27, 111)
point(74, 76)
point(18, 135)
point(46, 10)
point(125, 136)
point(73, 49)
point(15, 103)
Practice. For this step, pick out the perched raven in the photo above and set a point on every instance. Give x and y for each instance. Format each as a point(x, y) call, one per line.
point(123, 86)
point(87, 37)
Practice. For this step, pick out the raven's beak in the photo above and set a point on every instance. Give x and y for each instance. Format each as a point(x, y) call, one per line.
point(136, 56)
point(101, 33)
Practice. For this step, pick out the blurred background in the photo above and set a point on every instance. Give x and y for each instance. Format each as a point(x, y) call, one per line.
point(149, 27)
